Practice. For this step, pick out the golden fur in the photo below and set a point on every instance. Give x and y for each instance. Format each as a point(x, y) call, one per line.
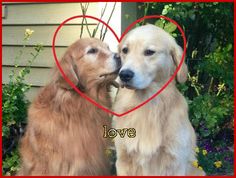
point(64, 132)
point(165, 139)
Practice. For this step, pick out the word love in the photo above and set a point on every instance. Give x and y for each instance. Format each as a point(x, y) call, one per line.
point(112, 132)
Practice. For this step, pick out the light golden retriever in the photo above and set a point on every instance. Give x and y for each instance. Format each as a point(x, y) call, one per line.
point(165, 139)
point(64, 135)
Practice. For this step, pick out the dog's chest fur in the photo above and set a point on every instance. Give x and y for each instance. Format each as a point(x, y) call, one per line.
point(59, 136)
point(160, 124)
point(147, 128)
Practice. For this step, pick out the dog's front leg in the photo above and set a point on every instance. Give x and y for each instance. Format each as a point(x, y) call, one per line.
point(172, 165)
point(123, 162)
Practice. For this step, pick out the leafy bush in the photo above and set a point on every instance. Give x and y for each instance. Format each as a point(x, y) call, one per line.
point(14, 109)
point(216, 159)
point(209, 90)
point(11, 163)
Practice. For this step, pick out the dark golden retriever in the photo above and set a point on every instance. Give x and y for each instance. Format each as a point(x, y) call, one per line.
point(64, 132)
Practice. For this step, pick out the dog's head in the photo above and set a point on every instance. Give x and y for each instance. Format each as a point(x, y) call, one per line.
point(149, 54)
point(88, 62)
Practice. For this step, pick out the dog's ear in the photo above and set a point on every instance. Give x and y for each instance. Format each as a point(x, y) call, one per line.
point(177, 53)
point(71, 71)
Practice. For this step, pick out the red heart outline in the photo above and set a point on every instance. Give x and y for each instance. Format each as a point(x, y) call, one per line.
point(119, 40)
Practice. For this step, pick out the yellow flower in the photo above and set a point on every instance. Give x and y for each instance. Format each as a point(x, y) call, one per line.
point(221, 86)
point(218, 164)
point(28, 33)
point(197, 150)
point(200, 168)
point(195, 163)
point(204, 152)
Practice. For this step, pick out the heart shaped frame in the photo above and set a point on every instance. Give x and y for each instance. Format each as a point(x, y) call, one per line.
point(119, 40)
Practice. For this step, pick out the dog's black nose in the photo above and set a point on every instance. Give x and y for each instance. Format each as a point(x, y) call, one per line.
point(126, 75)
point(118, 59)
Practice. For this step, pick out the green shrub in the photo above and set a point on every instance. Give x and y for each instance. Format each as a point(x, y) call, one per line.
point(14, 108)
point(11, 163)
point(215, 162)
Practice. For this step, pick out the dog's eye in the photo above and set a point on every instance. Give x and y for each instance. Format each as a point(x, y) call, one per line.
point(92, 51)
point(148, 52)
point(125, 50)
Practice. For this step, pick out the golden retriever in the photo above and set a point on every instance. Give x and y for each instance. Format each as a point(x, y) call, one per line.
point(64, 134)
point(165, 139)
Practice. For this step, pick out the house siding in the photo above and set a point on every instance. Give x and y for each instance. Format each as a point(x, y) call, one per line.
point(43, 18)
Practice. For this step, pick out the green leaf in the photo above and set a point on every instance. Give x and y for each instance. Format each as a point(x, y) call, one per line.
point(159, 23)
point(188, 4)
point(170, 27)
point(164, 12)
point(229, 47)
